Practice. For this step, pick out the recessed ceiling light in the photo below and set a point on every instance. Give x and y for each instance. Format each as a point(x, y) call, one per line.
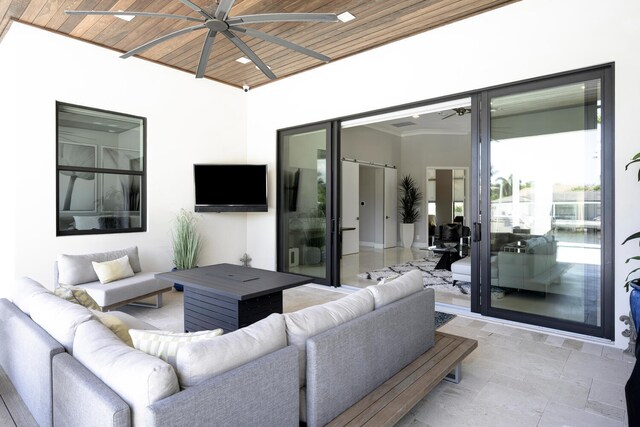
point(346, 17)
point(259, 68)
point(124, 17)
point(416, 116)
point(243, 60)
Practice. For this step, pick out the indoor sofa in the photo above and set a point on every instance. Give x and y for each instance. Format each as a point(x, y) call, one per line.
point(528, 264)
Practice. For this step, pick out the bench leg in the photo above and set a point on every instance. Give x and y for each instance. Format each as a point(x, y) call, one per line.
point(456, 375)
point(158, 303)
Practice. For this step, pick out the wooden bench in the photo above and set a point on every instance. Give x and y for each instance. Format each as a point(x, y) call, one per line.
point(387, 404)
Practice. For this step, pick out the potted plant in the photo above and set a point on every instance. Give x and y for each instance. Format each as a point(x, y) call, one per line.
point(186, 243)
point(410, 197)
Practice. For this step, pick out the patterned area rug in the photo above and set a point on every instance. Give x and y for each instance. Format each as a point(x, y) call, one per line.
point(442, 318)
point(440, 280)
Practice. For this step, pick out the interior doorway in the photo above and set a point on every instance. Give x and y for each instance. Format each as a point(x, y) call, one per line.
point(376, 153)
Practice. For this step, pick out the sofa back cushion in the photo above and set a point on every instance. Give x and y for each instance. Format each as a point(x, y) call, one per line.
point(407, 284)
point(198, 361)
point(138, 378)
point(78, 269)
point(58, 317)
point(311, 321)
point(22, 291)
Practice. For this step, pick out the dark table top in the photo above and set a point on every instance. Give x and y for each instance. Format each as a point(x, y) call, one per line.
point(235, 281)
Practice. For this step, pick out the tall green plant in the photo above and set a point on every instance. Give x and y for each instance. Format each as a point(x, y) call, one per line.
point(410, 196)
point(186, 241)
point(635, 235)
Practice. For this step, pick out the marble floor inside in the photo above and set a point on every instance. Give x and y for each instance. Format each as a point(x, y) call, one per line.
point(516, 376)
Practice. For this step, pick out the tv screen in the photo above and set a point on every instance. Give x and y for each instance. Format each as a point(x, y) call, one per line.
point(230, 188)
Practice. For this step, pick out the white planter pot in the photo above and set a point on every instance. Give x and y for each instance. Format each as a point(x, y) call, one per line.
point(407, 235)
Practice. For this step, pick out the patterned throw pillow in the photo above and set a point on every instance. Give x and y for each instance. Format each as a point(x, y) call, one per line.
point(165, 344)
point(116, 325)
point(76, 296)
point(110, 271)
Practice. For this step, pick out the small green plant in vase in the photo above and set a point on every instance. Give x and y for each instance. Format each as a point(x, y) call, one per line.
point(187, 243)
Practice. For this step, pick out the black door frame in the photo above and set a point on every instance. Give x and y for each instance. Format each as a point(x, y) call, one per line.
point(606, 329)
point(332, 240)
point(479, 133)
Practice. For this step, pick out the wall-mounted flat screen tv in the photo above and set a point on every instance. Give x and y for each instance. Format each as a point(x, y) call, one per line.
point(230, 188)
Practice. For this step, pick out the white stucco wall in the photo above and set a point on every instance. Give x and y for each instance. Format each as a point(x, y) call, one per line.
point(188, 121)
point(528, 39)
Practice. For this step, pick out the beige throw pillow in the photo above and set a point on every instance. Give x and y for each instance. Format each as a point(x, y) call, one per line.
point(76, 296)
point(165, 344)
point(116, 325)
point(110, 271)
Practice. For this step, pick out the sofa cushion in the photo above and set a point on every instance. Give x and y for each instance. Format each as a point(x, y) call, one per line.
point(124, 289)
point(311, 321)
point(110, 271)
point(201, 360)
point(407, 284)
point(58, 317)
point(138, 378)
point(165, 344)
point(22, 291)
point(77, 269)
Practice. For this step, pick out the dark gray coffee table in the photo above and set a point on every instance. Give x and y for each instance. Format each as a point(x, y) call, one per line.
point(230, 296)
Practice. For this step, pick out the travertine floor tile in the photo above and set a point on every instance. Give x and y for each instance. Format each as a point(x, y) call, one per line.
point(559, 415)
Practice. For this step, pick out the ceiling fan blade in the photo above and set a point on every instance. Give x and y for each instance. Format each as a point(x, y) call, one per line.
point(115, 13)
point(223, 9)
point(282, 17)
point(195, 7)
point(250, 54)
point(282, 42)
point(159, 40)
point(204, 56)
point(449, 115)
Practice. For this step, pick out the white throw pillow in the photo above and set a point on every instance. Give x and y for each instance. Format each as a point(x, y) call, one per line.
point(407, 284)
point(311, 321)
point(165, 344)
point(199, 361)
point(110, 271)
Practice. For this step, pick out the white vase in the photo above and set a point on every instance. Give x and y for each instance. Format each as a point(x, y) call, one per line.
point(407, 235)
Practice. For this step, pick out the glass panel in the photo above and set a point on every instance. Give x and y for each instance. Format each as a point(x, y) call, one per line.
point(545, 157)
point(95, 201)
point(90, 144)
point(304, 173)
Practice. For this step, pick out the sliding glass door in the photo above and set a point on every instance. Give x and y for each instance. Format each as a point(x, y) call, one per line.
point(546, 176)
point(307, 241)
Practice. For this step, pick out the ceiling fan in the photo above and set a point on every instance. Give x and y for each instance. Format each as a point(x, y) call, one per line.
point(220, 22)
point(461, 111)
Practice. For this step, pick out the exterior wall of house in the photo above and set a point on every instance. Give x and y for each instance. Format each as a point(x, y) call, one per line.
point(528, 39)
point(188, 121)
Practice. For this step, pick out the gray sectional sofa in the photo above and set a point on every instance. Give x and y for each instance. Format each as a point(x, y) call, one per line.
point(72, 370)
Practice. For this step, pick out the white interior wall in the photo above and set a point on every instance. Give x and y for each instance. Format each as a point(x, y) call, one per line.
point(422, 151)
point(528, 39)
point(188, 121)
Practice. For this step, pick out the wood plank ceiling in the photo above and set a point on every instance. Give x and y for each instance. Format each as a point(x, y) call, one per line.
point(377, 22)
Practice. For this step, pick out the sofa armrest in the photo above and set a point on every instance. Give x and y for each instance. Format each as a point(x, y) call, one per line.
point(81, 399)
point(26, 351)
point(262, 392)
